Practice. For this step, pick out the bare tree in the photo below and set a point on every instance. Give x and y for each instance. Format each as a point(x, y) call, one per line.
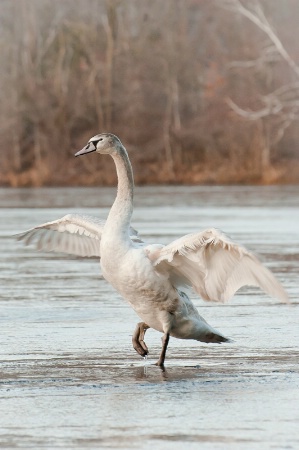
point(279, 107)
point(197, 94)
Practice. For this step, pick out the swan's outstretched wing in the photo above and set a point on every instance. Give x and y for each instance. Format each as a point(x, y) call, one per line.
point(213, 265)
point(74, 234)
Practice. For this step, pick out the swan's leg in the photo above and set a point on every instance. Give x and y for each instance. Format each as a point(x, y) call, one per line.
point(138, 339)
point(165, 340)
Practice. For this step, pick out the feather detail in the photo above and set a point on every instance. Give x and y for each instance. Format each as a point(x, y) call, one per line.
point(214, 266)
point(74, 234)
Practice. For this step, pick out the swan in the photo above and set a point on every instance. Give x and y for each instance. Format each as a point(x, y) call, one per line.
point(153, 278)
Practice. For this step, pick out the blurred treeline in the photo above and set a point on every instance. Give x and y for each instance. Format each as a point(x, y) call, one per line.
point(176, 80)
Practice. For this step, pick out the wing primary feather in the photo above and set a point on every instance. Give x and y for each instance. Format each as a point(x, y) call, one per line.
point(73, 234)
point(213, 265)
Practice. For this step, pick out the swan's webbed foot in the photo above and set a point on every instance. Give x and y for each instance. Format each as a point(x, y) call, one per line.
point(138, 339)
point(165, 340)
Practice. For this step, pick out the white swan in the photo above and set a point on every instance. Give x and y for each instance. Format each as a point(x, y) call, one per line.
point(151, 277)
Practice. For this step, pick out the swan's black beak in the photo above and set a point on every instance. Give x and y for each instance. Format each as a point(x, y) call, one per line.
point(87, 149)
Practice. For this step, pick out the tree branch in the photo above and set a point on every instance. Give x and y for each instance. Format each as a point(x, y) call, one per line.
point(259, 19)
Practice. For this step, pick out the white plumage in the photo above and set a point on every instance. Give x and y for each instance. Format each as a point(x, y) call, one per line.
point(214, 266)
point(74, 234)
point(152, 277)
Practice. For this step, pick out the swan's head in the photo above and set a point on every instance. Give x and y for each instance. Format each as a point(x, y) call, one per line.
point(105, 143)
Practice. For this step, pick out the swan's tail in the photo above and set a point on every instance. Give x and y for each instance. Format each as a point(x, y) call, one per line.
point(205, 333)
point(198, 329)
point(215, 338)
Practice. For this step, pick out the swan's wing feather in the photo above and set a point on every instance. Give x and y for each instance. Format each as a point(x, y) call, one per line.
point(213, 265)
point(252, 273)
point(74, 234)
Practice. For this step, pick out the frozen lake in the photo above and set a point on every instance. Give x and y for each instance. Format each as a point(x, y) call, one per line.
point(69, 377)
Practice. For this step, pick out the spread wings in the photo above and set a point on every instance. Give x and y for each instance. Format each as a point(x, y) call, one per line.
point(213, 265)
point(74, 234)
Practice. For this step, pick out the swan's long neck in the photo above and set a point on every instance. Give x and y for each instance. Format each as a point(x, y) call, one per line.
point(119, 217)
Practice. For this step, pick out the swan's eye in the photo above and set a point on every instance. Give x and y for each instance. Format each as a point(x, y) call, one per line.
point(95, 142)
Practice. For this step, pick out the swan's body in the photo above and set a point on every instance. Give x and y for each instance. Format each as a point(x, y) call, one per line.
point(151, 277)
